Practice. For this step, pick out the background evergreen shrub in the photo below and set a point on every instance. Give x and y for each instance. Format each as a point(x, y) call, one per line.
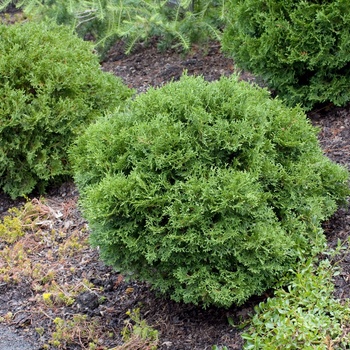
point(175, 22)
point(301, 48)
point(209, 191)
point(51, 88)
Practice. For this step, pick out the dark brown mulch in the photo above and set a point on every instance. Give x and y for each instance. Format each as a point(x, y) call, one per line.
point(181, 326)
point(148, 67)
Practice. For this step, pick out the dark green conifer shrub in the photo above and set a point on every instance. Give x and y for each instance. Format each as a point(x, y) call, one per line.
point(51, 88)
point(301, 48)
point(209, 191)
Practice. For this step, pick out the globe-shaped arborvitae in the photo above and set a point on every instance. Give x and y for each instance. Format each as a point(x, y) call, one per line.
point(51, 88)
point(209, 191)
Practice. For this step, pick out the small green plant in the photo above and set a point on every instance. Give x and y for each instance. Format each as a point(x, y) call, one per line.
point(305, 315)
point(79, 330)
point(11, 228)
point(301, 48)
point(51, 88)
point(209, 191)
point(137, 334)
point(47, 298)
point(74, 244)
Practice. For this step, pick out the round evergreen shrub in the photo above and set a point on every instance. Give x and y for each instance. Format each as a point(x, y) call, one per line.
point(301, 48)
point(209, 191)
point(51, 88)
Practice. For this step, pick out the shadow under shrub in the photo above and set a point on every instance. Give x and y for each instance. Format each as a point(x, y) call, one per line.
point(301, 48)
point(51, 88)
point(209, 191)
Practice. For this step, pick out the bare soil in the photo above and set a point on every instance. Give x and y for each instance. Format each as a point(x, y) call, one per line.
point(100, 293)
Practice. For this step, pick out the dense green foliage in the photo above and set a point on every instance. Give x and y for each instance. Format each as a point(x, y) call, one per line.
point(301, 48)
point(304, 316)
point(210, 191)
point(174, 22)
point(51, 88)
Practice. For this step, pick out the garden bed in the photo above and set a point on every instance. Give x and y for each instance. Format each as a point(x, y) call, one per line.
point(57, 240)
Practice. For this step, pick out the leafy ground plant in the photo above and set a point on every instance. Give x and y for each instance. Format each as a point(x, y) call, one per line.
point(80, 330)
point(52, 87)
point(305, 315)
point(209, 191)
point(137, 334)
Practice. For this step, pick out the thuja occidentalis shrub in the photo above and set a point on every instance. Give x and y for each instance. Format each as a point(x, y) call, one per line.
point(209, 191)
point(51, 88)
point(301, 48)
